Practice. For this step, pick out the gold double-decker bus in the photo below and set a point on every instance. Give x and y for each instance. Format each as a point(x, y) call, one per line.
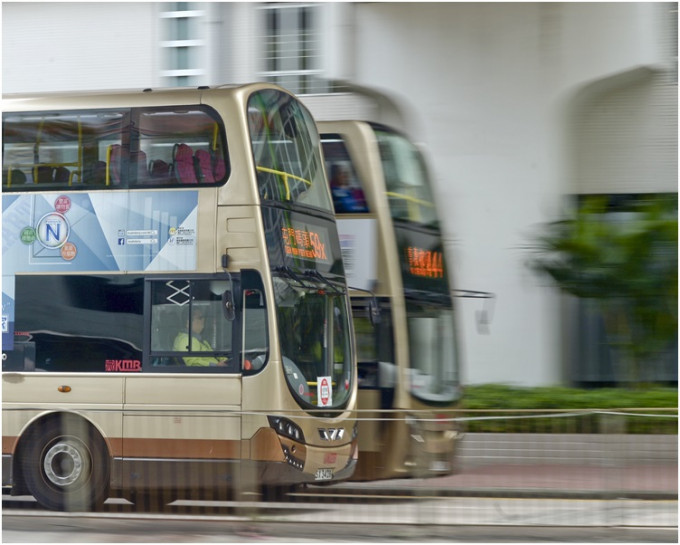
point(174, 306)
point(408, 360)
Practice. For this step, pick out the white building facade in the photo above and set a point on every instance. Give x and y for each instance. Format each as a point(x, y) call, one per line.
point(517, 106)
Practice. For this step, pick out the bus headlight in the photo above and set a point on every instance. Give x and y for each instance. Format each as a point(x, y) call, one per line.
point(287, 428)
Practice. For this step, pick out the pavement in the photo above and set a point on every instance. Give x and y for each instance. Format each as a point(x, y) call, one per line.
point(635, 481)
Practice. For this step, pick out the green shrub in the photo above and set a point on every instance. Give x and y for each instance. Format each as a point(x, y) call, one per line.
point(503, 408)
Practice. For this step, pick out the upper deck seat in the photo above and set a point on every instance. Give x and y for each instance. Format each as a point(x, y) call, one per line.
point(114, 166)
point(183, 157)
point(210, 166)
point(44, 174)
point(62, 175)
point(160, 172)
point(94, 173)
point(205, 166)
point(219, 167)
point(14, 176)
point(138, 158)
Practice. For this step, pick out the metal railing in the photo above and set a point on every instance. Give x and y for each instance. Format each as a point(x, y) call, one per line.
point(536, 468)
point(543, 468)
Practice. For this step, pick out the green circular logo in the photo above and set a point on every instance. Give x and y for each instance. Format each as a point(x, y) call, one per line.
point(28, 235)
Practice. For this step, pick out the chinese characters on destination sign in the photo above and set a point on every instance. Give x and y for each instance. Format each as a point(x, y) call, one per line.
point(304, 243)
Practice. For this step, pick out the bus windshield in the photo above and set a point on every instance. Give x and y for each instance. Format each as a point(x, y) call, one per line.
point(286, 150)
point(314, 331)
point(406, 180)
point(433, 358)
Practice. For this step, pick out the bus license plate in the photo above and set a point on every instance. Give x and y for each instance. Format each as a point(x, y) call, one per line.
point(323, 474)
point(438, 465)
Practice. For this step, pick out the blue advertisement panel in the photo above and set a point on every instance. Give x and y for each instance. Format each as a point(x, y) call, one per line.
point(112, 231)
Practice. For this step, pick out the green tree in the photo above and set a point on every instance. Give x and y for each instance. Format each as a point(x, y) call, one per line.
point(626, 259)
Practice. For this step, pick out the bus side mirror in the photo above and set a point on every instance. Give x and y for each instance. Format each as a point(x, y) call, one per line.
point(228, 305)
point(374, 312)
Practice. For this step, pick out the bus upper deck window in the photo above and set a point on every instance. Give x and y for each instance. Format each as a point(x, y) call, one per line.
point(183, 146)
point(113, 149)
point(285, 145)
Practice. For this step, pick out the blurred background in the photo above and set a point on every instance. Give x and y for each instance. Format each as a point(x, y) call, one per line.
point(525, 111)
point(551, 134)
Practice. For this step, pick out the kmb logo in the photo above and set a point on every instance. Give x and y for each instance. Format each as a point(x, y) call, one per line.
point(123, 366)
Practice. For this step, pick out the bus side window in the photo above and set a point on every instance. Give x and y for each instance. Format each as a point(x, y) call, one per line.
point(165, 323)
point(254, 330)
point(21, 358)
point(255, 345)
point(188, 328)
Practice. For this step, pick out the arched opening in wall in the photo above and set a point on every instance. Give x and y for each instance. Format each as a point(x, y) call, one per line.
point(624, 135)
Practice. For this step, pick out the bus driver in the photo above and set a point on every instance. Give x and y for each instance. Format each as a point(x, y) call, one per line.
point(198, 344)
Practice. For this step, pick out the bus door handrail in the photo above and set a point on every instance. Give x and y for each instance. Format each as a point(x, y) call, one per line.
point(285, 176)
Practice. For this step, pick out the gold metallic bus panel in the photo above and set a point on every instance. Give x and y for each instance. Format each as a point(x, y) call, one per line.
point(237, 235)
point(168, 417)
point(371, 428)
point(182, 449)
point(179, 390)
point(323, 458)
point(206, 250)
point(62, 390)
point(265, 445)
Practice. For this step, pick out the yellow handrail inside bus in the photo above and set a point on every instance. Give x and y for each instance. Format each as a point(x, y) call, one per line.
point(315, 383)
point(80, 154)
point(412, 204)
point(285, 176)
point(108, 166)
point(216, 133)
point(410, 199)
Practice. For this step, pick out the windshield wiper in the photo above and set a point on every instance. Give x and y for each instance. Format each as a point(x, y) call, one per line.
point(426, 295)
point(290, 273)
point(338, 288)
point(313, 273)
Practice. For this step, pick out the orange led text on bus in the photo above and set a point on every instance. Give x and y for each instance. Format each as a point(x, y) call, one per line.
point(303, 243)
point(425, 263)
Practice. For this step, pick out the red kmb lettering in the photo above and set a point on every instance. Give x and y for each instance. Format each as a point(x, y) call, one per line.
point(123, 366)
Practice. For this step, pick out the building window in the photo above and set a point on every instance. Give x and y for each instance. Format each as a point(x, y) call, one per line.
point(182, 44)
point(292, 51)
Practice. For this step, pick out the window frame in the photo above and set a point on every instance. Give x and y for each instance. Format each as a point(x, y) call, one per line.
point(129, 142)
point(150, 363)
point(307, 76)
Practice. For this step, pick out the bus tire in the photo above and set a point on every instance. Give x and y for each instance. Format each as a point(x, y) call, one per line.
point(66, 465)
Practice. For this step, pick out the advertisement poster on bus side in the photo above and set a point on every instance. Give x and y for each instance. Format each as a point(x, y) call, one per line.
point(113, 231)
point(358, 246)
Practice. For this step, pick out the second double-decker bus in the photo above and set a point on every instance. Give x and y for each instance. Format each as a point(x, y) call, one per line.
point(408, 362)
point(175, 316)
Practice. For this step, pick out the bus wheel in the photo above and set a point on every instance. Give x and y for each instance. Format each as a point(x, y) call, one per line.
point(66, 467)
